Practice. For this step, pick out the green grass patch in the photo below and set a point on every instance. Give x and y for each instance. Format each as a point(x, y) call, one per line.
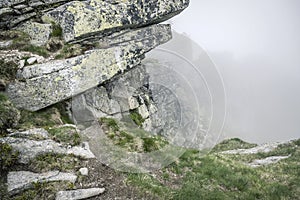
point(8, 156)
point(56, 30)
point(230, 144)
point(51, 161)
point(218, 176)
point(136, 118)
point(65, 134)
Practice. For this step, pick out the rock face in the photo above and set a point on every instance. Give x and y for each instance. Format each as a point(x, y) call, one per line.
point(45, 84)
point(82, 19)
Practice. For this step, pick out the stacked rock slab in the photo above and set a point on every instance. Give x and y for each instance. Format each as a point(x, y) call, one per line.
point(124, 31)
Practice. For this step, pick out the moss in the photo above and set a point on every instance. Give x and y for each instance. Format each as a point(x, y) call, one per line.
point(136, 118)
point(56, 30)
point(51, 161)
point(68, 135)
point(8, 156)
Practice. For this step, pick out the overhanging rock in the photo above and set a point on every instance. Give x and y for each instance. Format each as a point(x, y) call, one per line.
point(79, 19)
point(44, 84)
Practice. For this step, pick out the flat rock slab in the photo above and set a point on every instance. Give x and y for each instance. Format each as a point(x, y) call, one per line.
point(267, 161)
point(29, 149)
point(82, 19)
point(45, 84)
point(79, 194)
point(18, 181)
point(36, 132)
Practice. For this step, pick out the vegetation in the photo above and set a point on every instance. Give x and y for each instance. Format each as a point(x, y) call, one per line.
point(65, 134)
point(43, 190)
point(51, 161)
point(133, 141)
point(218, 176)
point(8, 70)
point(137, 118)
point(45, 118)
point(8, 156)
point(56, 30)
point(9, 115)
point(230, 144)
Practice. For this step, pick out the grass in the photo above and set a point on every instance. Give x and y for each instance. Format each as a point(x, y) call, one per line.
point(230, 144)
point(51, 161)
point(218, 176)
point(45, 118)
point(134, 140)
point(68, 135)
point(8, 156)
point(136, 118)
point(9, 115)
point(43, 190)
point(8, 70)
point(56, 30)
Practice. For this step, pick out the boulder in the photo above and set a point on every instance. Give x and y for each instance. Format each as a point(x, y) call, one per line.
point(97, 17)
point(45, 84)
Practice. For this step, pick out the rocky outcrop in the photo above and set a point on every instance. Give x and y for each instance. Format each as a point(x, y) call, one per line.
point(45, 84)
point(91, 17)
point(28, 149)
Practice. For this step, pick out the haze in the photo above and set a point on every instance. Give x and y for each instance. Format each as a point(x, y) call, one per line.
point(256, 46)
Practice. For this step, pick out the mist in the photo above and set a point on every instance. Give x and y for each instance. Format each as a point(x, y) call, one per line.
point(256, 45)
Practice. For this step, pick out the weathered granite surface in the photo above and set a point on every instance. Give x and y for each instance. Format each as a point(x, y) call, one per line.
point(18, 181)
point(29, 149)
point(44, 84)
point(79, 194)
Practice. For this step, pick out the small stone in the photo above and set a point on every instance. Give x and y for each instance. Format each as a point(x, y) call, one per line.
point(79, 194)
point(21, 64)
point(31, 60)
point(84, 171)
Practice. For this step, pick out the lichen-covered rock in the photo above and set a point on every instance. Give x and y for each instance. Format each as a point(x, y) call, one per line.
point(14, 12)
point(80, 19)
point(45, 84)
point(29, 149)
point(18, 181)
point(39, 33)
point(79, 194)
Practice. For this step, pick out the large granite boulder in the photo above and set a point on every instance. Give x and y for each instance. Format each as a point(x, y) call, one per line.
point(41, 85)
point(90, 17)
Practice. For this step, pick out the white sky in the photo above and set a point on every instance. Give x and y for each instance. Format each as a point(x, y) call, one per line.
point(256, 46)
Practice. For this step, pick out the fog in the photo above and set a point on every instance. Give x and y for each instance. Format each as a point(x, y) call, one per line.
point(256, 46)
